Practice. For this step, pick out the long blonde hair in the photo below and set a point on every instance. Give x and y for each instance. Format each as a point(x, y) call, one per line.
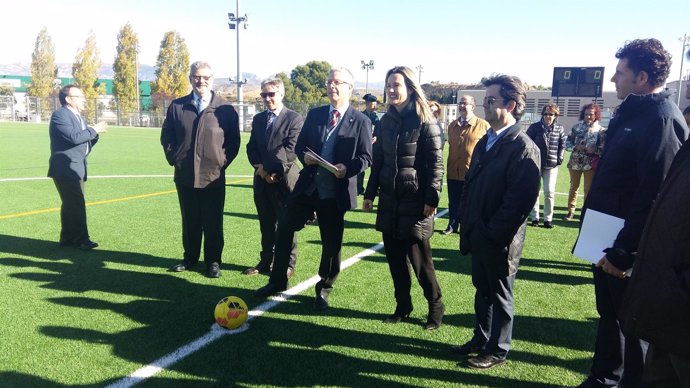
point(416, 93)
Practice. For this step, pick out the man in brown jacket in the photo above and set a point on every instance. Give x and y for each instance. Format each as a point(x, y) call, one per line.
point(463, 134)
point(200, 137)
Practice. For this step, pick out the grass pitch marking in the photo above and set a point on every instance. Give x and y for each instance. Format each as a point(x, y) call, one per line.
point(106, 201)
point(216, 332)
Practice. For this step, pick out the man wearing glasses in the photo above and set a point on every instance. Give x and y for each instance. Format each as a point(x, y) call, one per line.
point(200, 138)
point(463, 135)
point(271, 150)
point(71, 140)
point(500, 189)
point(341, 135)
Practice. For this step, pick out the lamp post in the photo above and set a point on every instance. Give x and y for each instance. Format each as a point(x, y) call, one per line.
point(367, 66)
point(420, 69)
point(136, 72)
point(686, 42)
point(235, 22)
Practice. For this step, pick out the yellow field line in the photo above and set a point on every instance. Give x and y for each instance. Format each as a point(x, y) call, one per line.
point(57, 209)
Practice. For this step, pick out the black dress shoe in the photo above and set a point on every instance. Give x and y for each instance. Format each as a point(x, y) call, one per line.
point(399, 314)
point(548, 225)
point(534, 223)
point(466, 349)
point(213, 270)
point(181, 267)
point(268, 290)
point(447, 231)
point(485, 361)
point(87, 245)
point(320, 304)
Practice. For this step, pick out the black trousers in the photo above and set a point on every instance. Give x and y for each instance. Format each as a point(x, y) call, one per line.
point(72, 212)
point(666, 370)
point(493, 309)
point(270, 204)
point(454, 194)
point(618, 358)
point(202, 214)
point(398, 252)
point(299, 209)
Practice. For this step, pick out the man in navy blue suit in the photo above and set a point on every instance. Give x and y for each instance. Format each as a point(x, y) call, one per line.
point(342, 136)
point(71, 140)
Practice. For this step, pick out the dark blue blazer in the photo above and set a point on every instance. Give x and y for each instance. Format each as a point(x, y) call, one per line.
point(69, 145)
point(352, 149)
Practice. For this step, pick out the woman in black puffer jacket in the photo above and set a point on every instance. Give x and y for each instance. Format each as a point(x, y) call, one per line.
point(406, 174)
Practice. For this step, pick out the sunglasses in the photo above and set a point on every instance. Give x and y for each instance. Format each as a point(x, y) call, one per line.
point(267, 94)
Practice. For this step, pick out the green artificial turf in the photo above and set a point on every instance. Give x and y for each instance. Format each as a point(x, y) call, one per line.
point(72, 318)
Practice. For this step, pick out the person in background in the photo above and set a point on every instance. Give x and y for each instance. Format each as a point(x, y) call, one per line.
point(686, 115)
point(463, 135)
point(549, 136)
point(436, 112)
point(200, 138)
point(586, 141)
point(407, 175)
point(271, 151)
point(71, 140)
point(370, 112)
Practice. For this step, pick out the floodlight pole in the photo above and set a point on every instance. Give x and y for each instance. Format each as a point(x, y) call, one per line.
point(136, 72)
point(235, 21)
point(420, 69)
point(686, 42)
point(367, 66)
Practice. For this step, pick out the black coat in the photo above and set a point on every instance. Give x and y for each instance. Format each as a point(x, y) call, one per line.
point(656, 306)
point(69, 145)
point(407, 173)
point(352, 149)
point(500, 189)
point(277, 152)
point(641, 141)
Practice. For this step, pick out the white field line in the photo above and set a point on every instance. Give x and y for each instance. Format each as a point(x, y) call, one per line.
point(217, 332)
point(39, 178)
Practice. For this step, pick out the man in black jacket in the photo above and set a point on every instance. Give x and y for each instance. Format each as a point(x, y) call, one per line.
point(271, 150)
point(200, 137)
point(642, 140)
point(500, 189)
point(342, 136)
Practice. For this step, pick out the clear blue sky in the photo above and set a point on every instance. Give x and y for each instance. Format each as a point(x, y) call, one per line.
point(453, 40)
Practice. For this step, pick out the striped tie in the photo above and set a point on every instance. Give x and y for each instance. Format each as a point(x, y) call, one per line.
point(335, 115)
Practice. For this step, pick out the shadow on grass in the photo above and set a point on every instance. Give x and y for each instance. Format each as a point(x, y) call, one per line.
point(169, 311)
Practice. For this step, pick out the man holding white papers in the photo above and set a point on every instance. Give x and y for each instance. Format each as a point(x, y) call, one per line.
point(341, 135)
point(642, 139)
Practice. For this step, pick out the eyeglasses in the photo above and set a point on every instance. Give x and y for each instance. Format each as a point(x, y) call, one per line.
point(77, 96)
point(465, 103)
point(548, 114)
point(488, 101)
point(332, 82)
point(198, 78)
point(267, 94)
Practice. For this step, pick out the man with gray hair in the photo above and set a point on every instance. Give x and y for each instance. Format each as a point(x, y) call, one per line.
point(200, 138)
point(271, 151)
point(500, 189)
point(341, 136)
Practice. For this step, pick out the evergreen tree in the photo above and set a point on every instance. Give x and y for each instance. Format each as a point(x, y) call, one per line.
point(125, 68)
point(85, 71)
point(309, 81)
point(172, 70)
point(43, 71)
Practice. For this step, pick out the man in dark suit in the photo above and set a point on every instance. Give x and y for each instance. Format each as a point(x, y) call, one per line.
point(71, 140)
point(271, 150)
point(201, 137)
point(341, 135)
point(500, 189)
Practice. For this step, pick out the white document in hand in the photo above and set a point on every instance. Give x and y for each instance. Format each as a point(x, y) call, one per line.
point(598, 232)
point(322, 162)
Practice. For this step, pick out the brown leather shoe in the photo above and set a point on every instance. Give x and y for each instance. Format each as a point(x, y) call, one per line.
point(290, 272)
point(251, 271)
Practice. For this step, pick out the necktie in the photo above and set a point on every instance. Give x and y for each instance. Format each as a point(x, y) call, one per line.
point(81, 122)
point(333, 122)
point(463, 123)
point(200, 104)
point(269, 124)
